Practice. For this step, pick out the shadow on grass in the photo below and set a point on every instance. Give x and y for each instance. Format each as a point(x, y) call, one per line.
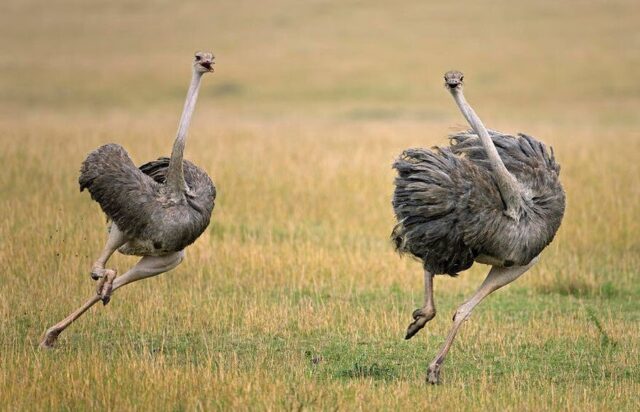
point(368, 370)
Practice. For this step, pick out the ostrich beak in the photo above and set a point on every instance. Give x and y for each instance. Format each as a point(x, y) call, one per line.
point(452, 84)
point(208, 65)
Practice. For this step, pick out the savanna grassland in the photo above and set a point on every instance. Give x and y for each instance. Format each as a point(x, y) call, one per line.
point(294, 297)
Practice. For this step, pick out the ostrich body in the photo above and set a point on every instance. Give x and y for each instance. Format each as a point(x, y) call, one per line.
point(155, 211)
point(154, 218)
point(489, 198)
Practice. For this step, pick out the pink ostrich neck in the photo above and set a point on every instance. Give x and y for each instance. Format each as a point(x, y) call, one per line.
point(175, 174)
point(507, 183)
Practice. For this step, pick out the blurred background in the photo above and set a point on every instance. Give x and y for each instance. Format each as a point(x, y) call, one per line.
point(294, 296)
point(566, 60)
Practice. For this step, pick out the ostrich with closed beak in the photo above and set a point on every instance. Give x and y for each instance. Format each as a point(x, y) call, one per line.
point(488, 197)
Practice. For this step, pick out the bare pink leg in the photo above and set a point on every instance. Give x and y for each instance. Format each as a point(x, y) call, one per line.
point(147, 266)
point(423, 315)
point(114, 241)
point(497, 278)
point(105, 285)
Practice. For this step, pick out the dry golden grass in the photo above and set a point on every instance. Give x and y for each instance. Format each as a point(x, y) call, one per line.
point(294, 299)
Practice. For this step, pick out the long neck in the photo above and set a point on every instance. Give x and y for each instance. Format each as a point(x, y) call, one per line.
point(175, 174)
point(507, 183)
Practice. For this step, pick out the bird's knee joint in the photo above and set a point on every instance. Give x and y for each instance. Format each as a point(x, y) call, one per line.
point(429, 313)
point(461, 314)
point(425, 313)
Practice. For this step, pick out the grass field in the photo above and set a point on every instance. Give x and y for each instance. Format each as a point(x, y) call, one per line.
point(294, 298)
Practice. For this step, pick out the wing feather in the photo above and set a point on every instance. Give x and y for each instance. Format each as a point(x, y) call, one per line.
point(123, 191)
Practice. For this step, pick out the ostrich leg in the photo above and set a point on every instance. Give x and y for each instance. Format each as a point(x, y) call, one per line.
point(114, 241)
point(147, 266)
point(424, 314)
point(497, 278)
point(105, 285)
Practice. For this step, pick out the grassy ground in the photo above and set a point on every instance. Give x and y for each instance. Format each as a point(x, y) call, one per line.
point(293, 298)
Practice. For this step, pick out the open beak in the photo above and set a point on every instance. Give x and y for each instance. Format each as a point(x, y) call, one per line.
point(207, 65)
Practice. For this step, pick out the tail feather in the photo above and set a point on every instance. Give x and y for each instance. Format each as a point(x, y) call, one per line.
point(520, 154)
point(428, 188)
point(156, 169)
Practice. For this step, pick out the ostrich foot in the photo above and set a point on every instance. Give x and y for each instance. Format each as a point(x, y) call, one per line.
point(420, 318)
point(433, 374)
point(105, 285)
point(97, 271)
point(49, 339)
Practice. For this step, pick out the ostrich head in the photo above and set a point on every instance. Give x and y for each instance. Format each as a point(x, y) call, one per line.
point(203, 62)
point(453, 79)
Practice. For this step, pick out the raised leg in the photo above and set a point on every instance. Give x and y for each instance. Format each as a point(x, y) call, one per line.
point(147, 266)
point(497, 278)
point(114, 241)
point(427, 312)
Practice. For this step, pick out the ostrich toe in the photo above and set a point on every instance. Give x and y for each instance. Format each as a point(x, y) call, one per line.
point(420, 318)
point(97, 272)
point(105, 285)
point(433, 374)
point(49, 339)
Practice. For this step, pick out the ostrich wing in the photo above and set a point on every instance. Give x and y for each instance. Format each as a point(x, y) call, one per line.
point(126, 195)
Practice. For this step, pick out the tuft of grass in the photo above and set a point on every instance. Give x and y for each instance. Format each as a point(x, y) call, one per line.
point(605, 340)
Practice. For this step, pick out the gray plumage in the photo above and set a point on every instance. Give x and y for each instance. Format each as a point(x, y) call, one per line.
point(450, 210)
point(165, 205)
point(488, 197)
point(155, 211)
point(155, 219)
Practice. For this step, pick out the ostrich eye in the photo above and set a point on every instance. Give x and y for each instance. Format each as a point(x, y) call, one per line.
point(198, 57)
